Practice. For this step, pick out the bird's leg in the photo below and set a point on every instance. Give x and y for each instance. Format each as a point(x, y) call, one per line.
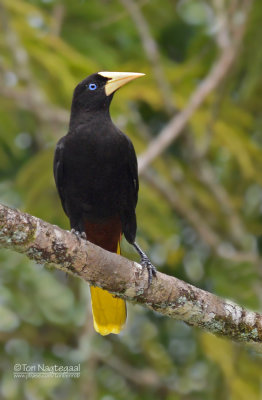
point(79, 235)
point(146, 263)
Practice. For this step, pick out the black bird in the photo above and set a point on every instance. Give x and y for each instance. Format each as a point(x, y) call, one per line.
point(95, 170)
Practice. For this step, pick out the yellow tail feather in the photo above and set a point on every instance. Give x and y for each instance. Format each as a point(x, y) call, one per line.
point(109, 312)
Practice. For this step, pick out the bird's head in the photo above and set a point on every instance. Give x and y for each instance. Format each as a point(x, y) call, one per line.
point(95, 92)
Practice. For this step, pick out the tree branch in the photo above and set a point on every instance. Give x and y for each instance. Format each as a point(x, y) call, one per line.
point(167, 295)
point(218, 72)
point(176, 125)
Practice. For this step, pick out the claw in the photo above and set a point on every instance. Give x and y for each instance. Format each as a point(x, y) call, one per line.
point(79, 235)
point(83, 235)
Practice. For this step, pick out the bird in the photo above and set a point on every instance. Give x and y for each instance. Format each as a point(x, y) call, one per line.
point(95, 171)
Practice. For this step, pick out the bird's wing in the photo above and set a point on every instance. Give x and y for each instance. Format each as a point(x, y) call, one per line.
point(132, 171)
point(59, 170)
point(129, 193)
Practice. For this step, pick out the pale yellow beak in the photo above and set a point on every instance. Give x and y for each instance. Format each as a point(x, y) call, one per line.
point(118, 79)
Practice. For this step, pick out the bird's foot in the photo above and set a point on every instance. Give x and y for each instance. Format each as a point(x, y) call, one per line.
point(146, 263)
point(79, 235)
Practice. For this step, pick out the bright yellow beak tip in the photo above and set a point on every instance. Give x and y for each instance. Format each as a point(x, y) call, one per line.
point(118, 79)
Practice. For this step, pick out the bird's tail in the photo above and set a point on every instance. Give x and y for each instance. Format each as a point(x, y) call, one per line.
point(109, 312)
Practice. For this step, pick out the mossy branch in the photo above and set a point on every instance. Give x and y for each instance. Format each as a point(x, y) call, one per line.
point(46, 243)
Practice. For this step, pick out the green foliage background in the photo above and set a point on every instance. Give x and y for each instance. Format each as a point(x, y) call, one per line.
point(214, 168)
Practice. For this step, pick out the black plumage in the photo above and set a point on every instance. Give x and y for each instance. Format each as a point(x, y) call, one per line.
point(95, 165)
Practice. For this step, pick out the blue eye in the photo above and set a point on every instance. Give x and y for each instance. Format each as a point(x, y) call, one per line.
point(92, 86)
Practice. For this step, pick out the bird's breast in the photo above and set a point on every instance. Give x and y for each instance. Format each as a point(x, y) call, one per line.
point(94, 172)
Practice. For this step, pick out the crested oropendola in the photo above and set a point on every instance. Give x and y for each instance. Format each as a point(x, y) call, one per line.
point(95, 169)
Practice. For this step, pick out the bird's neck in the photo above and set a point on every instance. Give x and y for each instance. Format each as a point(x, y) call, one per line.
point(87, 117)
